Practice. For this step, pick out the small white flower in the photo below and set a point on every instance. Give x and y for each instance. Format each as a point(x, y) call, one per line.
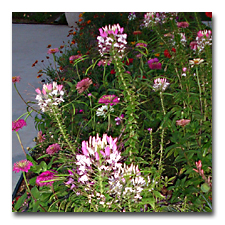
point(102, 111)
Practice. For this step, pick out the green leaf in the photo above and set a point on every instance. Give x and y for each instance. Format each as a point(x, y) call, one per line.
point(158, 194)
point(35, 192)
point(20, 201)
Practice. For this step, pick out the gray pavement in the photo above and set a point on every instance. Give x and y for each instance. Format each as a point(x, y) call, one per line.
point(29, 43)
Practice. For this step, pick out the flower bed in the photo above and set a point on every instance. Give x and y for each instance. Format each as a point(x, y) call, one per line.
point(124, 118)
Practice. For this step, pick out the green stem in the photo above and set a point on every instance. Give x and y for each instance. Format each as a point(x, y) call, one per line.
point(25, 179)
point(161, 98)
point(161, 151)
point(21, 143)
point(24, 100)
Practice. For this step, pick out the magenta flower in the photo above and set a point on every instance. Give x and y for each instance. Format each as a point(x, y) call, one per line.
point(53, 50)
point(16, 79)
point(73, 57)
point(54, 148)
point(106, 99)
point(23, 165)
point(154, 64)
point(141, 45)
point(45, 176)
point(182, 24)
point(83, 85)
point(18, 124)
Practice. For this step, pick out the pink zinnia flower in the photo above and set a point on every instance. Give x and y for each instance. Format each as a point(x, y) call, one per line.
point(106, 99)
point(141, 45)
point(23, 165)
point(183, 24)
point(54, 148)
point(45, 176)
point(182, 122)
point(53, 50)
point(18, 124)
point(154, 64)
point(83, 85)
point(73, 57)
point(16, 79)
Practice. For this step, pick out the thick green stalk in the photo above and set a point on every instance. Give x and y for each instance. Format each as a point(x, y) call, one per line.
point(62, 130)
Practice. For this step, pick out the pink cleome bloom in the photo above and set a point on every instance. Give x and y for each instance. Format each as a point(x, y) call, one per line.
point(40, 137)
point(23, 165)
point(45, 176)
point(54, 148)
point(18, 124)
point(83, 85)
point(160, 84)
point(182, 122)
point(53, 50)
point(106, 99)
point(16, 79)
point(182, 24)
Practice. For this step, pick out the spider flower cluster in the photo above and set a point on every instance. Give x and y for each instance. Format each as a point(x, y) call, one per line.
point(153, 18)
point(112, 37)
point(160, 84)
point(51, 95)
point(100, 156)
point(203, 38)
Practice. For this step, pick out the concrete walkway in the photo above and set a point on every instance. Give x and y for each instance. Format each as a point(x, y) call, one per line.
point(29, 43)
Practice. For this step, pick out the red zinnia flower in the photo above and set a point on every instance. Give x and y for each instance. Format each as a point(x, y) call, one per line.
point(173, 50)
point(16, 79)
point(137, 32)
point(112, 71)
point(129, 61)
point(167, 54)
point(208, 14)
point(83, 85)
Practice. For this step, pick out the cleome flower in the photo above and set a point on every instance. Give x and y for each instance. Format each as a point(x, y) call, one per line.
point(51, 95)
point(23, 165)
point(160, 84)
point(101, 156)
point(203, 38)
point(112, 37)
point(153, 18)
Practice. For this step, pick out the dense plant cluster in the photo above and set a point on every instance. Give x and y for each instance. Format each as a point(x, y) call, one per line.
point(124, 118)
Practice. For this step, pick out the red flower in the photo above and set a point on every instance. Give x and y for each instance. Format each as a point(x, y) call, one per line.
point(173, 50)
point(208, 14)
point(167, 54)
point(112, 71)
point(129, 62)
point(137, 32)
